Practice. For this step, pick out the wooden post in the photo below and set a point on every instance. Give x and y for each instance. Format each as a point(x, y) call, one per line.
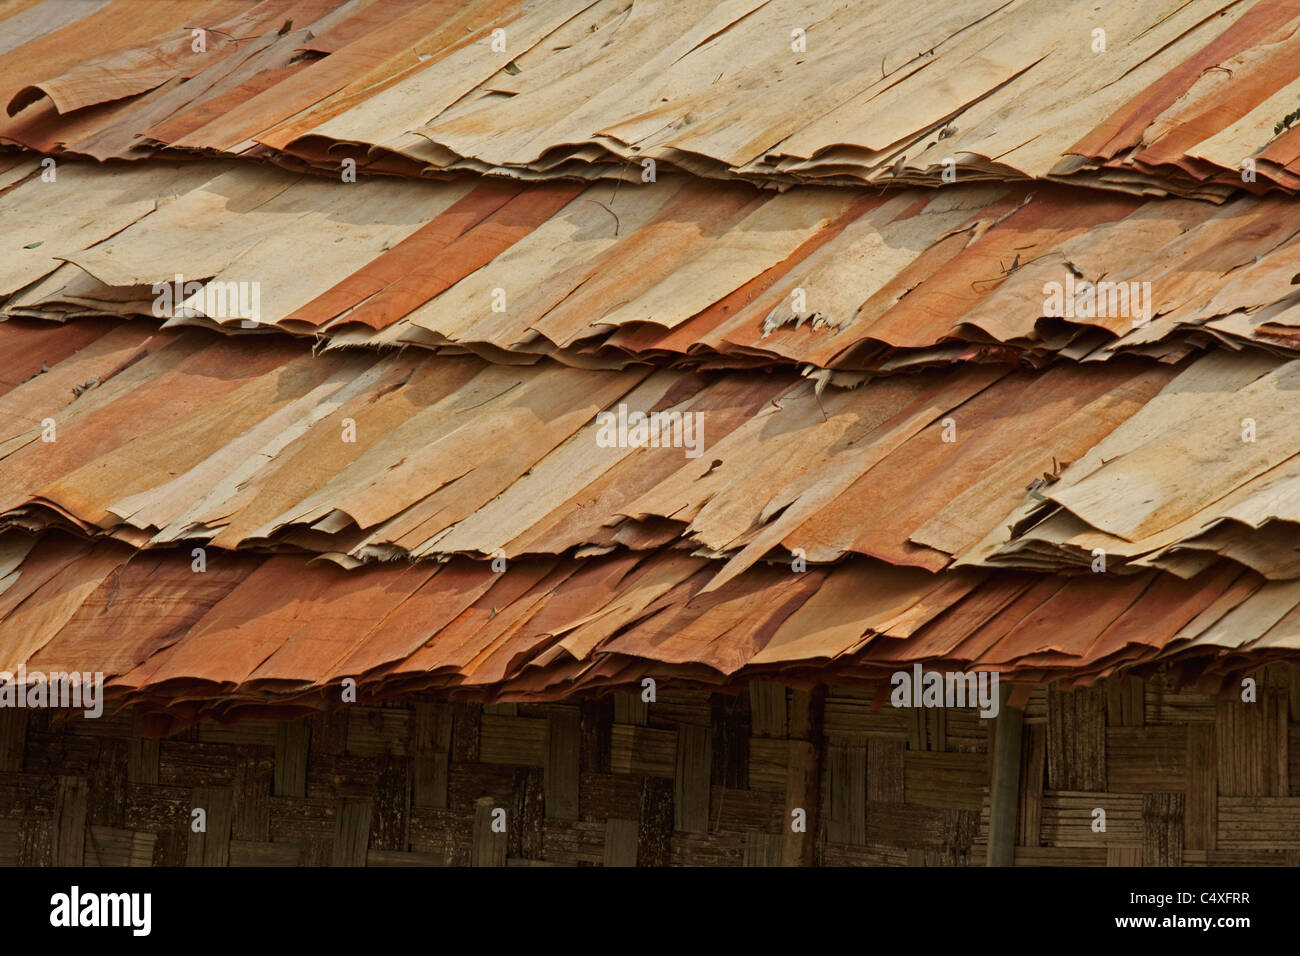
point(1004, 787)
point(803, 775)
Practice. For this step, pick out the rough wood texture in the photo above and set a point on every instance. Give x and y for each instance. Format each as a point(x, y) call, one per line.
point(1076, 739)
point(690, 779)
point(1005, 783)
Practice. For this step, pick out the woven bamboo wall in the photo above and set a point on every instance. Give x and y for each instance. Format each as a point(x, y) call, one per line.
point(693, 778)
point(1184, 779)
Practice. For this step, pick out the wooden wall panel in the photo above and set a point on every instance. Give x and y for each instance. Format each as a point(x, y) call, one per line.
point(691, 778)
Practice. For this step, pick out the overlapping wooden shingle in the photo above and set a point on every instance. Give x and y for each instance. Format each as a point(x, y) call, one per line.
point(1172, 96)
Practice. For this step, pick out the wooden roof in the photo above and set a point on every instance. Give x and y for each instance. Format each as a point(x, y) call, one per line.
point(394, 472)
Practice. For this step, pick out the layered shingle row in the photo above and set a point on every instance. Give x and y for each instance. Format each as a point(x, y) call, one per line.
point(677, 272)
point(233, 632)
point(1165, 96)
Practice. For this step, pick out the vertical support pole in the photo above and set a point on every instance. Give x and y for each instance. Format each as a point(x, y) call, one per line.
point(1004, 787)
point(803, 775)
